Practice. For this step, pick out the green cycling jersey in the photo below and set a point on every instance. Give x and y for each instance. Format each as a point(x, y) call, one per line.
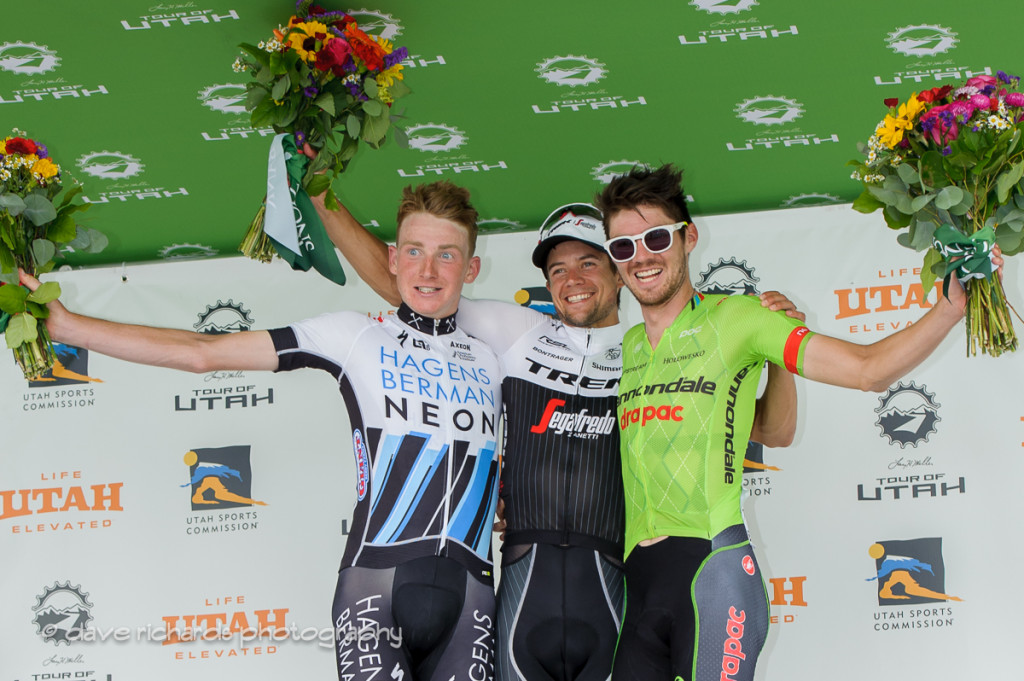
point(685, 411)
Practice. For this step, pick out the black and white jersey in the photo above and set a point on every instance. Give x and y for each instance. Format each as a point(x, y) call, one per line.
point(561, 473)
point(423, 400)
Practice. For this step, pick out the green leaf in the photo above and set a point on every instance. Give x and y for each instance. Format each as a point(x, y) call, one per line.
point(375, 128)
point(318, 185)
point(908, 174)
point(398, 89)
point(97, 241)
point(326, 102)
point(281, 87)
point(949, 197)
point(370, 87)
point(21, 329)
point(36, 310)
point(921, 201)
point(1007, 180)
point(928, 276)
point(12, 203)
point(352, 126)
point(43, 251)
point(1009, 239)
point(62, 230)
point(39, 210)
point(372, 107)
point(894, 219)
point(402, 139)
point(331, 200)
point(46, 292)
point(12, 298)
point(886, 196)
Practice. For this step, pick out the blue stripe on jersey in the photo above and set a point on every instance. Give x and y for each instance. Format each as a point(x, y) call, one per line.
point(469, 507)
point(427, 463)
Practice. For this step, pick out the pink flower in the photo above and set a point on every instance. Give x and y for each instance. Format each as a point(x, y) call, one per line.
point(963, 109)
point(980, 101)
point(981, 81)
point(941, 123)
point(1015, 99)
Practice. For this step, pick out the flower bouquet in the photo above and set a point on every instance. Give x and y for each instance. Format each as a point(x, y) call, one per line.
point(32, 227)
point(945, 167)
point(323, 82)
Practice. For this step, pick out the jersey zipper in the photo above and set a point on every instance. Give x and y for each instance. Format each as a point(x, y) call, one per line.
point(442, 549)
point(641, 467)
point(571, 454)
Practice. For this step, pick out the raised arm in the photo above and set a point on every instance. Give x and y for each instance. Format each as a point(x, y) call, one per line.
point(775, 412)
point(877, 366)
point(173, 348)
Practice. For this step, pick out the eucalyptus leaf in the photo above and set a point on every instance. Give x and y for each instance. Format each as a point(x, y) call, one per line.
point(1009, 239)
point(39, 209)
point(43, 251)
point(352, 126)
point(886, 196)
point(81, 240)
point(949, 197)
point(21, 329)
point(372, 107)
point(908, 173)
point(12, 203)
point(370, 88)
point(904, 205)
point(1006, 181)
point(375, 128)
point(920, 202)
point(98, 241)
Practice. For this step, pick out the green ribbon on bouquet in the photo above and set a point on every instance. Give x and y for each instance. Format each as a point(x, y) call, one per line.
point(291, 221)
point(968, 257)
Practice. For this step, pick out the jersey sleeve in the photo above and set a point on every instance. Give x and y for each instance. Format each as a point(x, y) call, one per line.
point(768, 335)
point(323, 342)
point(497, 323)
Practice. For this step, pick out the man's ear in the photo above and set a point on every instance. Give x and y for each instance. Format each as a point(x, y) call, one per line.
point(393, 259)
point(474, 269)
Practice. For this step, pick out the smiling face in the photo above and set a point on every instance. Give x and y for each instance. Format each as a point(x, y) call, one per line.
point(584, 286)
point(431, 262)
point(656, 279)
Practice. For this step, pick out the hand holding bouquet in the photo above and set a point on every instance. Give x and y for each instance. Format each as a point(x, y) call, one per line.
point(323, 82)
point(32, 227)
point(946, 166)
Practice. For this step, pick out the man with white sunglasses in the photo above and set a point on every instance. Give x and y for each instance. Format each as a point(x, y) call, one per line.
point(561, 589)
point(696, 606)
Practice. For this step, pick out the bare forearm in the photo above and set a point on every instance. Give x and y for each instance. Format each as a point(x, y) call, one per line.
point(775, 414)
point(367, 254)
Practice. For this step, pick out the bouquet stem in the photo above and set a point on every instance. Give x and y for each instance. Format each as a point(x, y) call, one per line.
point(988, 323)
point(35, 357)
point(256, 244)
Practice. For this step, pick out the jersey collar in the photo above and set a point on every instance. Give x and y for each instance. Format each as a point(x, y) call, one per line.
point(427, 325)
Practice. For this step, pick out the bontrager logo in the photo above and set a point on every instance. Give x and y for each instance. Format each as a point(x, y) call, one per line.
point(223, 318)
point(907, 414)
point(923, 40)
point(110, 165)
point(769, 110)
point(435, 138)
point(376, 23)
point(227, 99)
point(728, 277)
point(62, 613)
point(572, 70)
point(723, 6)
point(27, 58)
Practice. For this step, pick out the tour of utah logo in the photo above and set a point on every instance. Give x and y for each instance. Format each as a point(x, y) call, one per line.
point(62, 613)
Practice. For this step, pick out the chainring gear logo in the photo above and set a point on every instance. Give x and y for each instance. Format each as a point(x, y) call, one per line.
point(228, 98)
point(186, 251)
point(27, 58)
point(110, 165)
point(801, 200)
point(62, 613)
point(907, 414)
point(728, 277)
point(770, 110)
point(606, 172)
point(223, 318)
point(435, 138)
point(724, 6)
point(571, 71)
point(376, 23)
point(923, 40)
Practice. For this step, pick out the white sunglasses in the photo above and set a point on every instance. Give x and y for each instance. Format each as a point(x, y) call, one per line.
point(656, 240)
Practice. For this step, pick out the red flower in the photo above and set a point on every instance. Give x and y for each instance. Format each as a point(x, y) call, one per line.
point(332, 56)
point(20, 145)
point(935, 94)
point(891, 102)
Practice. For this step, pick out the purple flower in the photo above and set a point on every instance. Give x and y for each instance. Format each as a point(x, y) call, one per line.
point(43, 152)
point(310, 91)
point(1003, 77)
point(396, 57)
point(946, 151)
point(300, 138)
point(1015, 99)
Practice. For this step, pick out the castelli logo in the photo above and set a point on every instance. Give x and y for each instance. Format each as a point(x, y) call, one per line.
point(748, 564)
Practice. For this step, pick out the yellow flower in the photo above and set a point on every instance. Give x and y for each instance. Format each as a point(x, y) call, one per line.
point(388, 76)
point(302, 31)
point(911, 109)
point(890, 132)
point(384, 43)
point(383, 94)
point(45, 168)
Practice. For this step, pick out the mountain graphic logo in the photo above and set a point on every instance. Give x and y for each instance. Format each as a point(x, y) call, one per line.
point(223, 318)
point(728, 277)
point(63, 613)
point(907, 414)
